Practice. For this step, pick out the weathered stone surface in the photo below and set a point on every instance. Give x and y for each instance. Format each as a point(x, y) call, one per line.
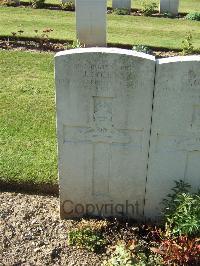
point(104, 105)
point(175, 132)
point(91, 22)
point(169, 6)
point(121, 4)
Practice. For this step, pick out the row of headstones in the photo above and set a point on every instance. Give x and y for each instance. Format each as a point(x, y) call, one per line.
point(91, 19)
point(166, 6)
point(128, 126)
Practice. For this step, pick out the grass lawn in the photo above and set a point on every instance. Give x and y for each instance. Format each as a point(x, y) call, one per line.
point(158, 32)
point(27, 111)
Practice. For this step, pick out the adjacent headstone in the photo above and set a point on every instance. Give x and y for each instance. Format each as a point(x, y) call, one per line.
point(169, 6)
point(91, 22)
point(104, 108)
point(175, 132)
point(121, 4)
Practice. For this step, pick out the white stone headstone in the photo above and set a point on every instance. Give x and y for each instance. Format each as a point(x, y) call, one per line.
point(126, 4)
point(91, 22)
point(169, 6)
point(104, 108)
point(175, 132)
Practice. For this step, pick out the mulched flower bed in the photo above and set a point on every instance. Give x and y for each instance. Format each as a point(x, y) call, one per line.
point(53, 46)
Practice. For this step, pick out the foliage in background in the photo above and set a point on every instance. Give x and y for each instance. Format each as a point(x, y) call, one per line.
point(121, 11)
point(188, 47)
point(76, 44)
point(142, 48)
point(89, 235)
point(182, 210)
point(148, 7)
point(193, 16)
point(70, 6)
point(9, 2)
point(37, 3)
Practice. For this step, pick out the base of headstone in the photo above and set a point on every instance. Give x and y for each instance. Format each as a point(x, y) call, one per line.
point(169, 6)
point(91, 22)
point(121, 4)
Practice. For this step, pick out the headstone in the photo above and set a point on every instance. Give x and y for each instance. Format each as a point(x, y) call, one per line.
point(104, 108)
point(169, 6)
point(121, 4)
point(175, 131)
point(91, 22)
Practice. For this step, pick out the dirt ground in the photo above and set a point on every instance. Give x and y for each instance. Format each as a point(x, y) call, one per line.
point(31, 233)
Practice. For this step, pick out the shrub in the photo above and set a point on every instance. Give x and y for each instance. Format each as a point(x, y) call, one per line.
point(179, 251)
point(148, 8)
point(9, 2)
point(121, 11)
point(182, 210)
point(37, 3)
point(193, 16)
point(70, 6)
point(142, 48)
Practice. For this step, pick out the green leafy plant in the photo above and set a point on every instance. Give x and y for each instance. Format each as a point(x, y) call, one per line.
point(148, 7)
point(121, 11)
point(89, 234)
point(188, 47)
point(70, 6)
point(120, 257)
point(182, 210)
point(193, 16)
point(75, 44)
point(135, 253)
point(88, 238)
point(142, 48)
point(37, 3)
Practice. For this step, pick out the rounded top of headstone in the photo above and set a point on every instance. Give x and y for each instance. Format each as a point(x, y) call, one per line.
point(105, 50)
point(178, 59)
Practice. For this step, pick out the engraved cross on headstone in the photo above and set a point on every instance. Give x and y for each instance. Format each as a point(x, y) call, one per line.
point(102, 134)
